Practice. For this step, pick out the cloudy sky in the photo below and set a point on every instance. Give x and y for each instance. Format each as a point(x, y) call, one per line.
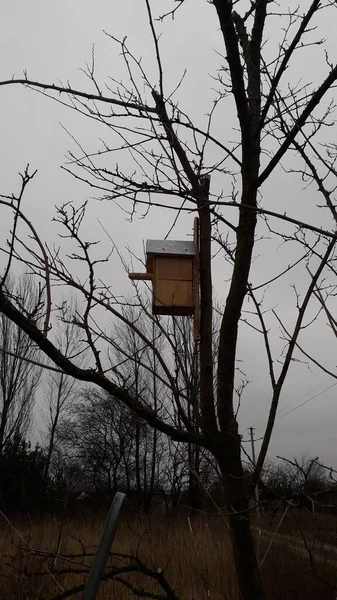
point(53, 41)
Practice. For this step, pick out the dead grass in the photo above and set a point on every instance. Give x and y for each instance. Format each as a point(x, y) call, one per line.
point(196, 563)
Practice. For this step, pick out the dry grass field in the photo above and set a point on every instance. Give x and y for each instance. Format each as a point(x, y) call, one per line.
point(44, 559)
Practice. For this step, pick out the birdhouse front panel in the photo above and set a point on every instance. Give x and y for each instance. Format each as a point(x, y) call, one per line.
point(173, 286)
point(178, 268)
point(171, 264)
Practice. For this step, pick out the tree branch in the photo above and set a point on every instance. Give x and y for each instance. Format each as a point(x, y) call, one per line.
point(292, 344)
point(71, 92)
point(8, 309)
point(311, 105)
point(287, 55)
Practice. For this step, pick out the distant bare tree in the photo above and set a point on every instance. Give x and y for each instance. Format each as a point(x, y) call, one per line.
point(108, 444)
point(305, 475)
point(301, 483)
point(61, 389)
point(19, 376)
point(139, 369)
point(291, 478)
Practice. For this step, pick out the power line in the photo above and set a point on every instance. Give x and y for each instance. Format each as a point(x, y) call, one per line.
point(305, 394)
point(306, 401)
point(251, 429)
point(300, 398)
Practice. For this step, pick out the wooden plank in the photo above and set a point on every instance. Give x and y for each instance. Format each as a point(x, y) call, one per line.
point(196, 283)
point(173, 311)
point(173, 268)
point(173, 293)
point(141, 276)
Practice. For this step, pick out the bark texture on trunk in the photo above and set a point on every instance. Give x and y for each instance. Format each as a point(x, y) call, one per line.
point(237, 505)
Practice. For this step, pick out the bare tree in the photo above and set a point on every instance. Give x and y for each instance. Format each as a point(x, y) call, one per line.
point(296, 477)
point(97, 436)
point(19, 376)
point(140, 368)
point(278, 121)
point(61, 389)
point(186, 364)
point(110, 445)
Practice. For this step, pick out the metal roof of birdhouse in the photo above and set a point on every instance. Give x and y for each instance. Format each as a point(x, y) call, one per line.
point(171, 247)
point(167, 248)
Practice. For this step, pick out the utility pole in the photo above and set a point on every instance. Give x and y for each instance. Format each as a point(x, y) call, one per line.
point(252, 441)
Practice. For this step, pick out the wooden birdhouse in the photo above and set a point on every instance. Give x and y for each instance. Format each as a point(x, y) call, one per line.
point(171, 265)
point(173, 268)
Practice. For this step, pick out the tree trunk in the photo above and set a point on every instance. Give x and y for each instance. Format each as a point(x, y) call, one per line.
point(3, 422)
point(207, 407)
point(194, 491)
point(237, 507)
point(150, 491)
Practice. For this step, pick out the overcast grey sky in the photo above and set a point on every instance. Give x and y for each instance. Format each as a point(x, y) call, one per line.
point(53, 41)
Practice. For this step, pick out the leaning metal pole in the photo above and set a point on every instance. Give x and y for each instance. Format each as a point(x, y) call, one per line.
point(97, 569)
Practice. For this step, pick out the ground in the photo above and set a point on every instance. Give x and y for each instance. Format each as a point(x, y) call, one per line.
point(47, 556)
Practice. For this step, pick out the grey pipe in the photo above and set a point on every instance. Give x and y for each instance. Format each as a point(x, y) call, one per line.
point(97, 569)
